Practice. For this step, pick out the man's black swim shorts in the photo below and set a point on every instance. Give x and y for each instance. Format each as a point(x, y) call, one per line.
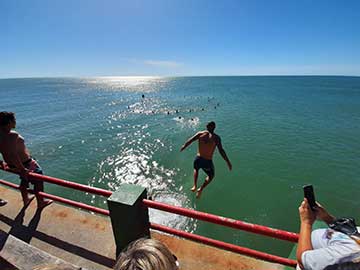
point(205, 164)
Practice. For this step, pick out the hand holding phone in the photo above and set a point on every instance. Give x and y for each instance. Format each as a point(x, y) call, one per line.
point(309, 195)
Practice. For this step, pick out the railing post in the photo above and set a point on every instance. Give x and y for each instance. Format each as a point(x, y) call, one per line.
point(129, 217)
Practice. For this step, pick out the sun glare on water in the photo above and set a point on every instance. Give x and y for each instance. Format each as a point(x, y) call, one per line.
point(128, 83)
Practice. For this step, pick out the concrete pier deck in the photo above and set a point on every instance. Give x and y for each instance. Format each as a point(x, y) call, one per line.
point(86, 240)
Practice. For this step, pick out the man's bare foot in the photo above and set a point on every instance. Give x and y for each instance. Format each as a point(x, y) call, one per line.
point(193, 189)
point(28, 200)
point(44, 203)
point(198, 193)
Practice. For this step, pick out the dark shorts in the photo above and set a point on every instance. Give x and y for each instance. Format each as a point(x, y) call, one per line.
point(34, 167)
point(205, 164)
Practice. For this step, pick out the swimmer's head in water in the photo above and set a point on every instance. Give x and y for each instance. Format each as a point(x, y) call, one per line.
point(211, 126)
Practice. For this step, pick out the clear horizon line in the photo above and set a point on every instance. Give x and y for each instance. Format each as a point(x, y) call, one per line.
point(177, 76)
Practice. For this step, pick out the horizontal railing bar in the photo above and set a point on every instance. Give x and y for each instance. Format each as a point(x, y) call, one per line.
point(230, 247)
point(69, 184)
point(63, 200)
point(228, 222)
point(185, 212)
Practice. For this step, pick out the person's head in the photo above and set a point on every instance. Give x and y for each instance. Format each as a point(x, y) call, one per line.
point(344, 266)
point(211, 126)
point(7, 118)
point(146, 254)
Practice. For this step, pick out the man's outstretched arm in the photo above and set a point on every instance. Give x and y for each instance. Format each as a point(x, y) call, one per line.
point(190, 141)
point(223, 153)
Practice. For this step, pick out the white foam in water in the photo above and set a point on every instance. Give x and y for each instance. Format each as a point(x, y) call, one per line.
point(187, 122)
point(169, 219)
point(135, 164)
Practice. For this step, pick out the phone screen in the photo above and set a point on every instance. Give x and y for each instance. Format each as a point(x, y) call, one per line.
point(309, 195)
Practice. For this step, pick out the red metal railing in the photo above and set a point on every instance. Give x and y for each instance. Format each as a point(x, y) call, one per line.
point(263, 230)
point(228, 222)
point(63, 200)
point(69, 184)
point(240, 250)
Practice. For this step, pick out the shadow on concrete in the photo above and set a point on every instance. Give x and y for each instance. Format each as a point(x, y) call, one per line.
point(16, 227)
point(3, 238)
point(5, 265)
point(26, 233)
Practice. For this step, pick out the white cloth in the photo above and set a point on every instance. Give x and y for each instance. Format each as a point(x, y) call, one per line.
point(329, 247)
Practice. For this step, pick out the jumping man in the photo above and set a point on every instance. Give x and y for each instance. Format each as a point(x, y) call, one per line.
point(208, 141)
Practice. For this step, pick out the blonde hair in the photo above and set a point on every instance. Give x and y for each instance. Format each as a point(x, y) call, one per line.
point(146, 254)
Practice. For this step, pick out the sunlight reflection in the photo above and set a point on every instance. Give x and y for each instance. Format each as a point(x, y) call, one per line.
point(144, 84)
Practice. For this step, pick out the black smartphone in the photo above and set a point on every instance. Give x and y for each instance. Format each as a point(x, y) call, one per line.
point(309, 195)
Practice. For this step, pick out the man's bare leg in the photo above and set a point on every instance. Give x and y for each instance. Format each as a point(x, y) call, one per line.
point(25, 196)
point(41, 201)
point(206, 182)
point(196, 174)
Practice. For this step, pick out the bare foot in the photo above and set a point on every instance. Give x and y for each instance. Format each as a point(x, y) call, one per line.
point(198, 193)
point(28, 200)
point(193, 189)
point(44, 203)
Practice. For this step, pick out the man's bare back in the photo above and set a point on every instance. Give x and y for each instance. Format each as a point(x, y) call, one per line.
point(207, 143)
point(9, 142)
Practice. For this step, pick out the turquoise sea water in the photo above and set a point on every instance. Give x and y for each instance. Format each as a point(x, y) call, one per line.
point(279, 132)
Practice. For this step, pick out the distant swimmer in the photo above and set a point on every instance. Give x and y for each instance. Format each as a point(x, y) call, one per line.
point(143, 96)
point(207, 142)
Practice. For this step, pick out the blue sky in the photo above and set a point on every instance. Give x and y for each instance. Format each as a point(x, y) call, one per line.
point(179, 37)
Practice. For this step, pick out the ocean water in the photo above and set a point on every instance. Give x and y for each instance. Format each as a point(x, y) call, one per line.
point(279, 132)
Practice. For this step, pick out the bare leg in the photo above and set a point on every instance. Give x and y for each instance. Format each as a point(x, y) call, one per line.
point(196, 174)
point(206, 182)
point(25, 196)
point(42, 202)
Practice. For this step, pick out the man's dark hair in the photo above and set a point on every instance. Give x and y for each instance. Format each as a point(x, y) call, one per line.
point(6, 118)
point(211, 126)
point(344, 266)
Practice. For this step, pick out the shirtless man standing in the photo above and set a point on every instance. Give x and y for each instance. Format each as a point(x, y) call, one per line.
point(208, 141)
point(18, 159)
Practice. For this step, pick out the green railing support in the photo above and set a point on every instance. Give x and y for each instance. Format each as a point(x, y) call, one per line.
point(129, 217)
